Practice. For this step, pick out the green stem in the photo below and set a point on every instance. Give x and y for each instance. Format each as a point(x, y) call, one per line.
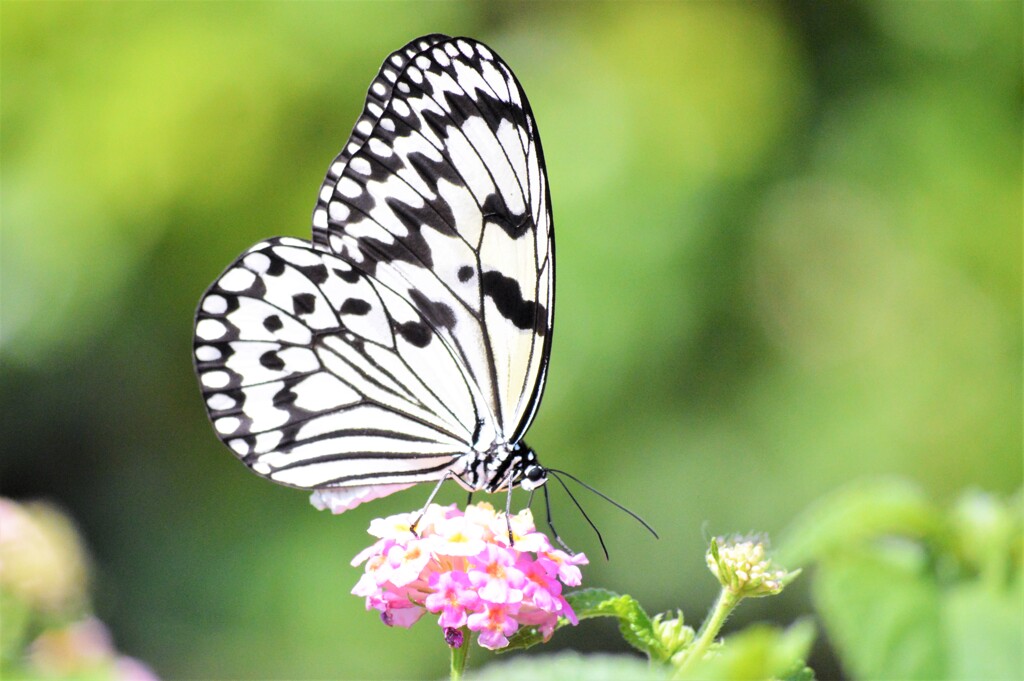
point(727, 601)
point(460, 655)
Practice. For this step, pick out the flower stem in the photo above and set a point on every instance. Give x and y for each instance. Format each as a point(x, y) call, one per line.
point(460, 655)
point(727, 601)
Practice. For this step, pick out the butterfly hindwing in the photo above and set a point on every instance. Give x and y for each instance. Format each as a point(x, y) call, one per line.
point(314, 374)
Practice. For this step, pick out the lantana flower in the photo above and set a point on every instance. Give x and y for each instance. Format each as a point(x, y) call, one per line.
point(461, 567)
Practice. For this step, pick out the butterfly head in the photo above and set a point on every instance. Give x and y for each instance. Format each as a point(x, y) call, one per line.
point(531, 474)
point(533, 477)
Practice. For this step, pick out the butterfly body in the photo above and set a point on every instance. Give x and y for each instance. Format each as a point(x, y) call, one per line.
point(409, 340)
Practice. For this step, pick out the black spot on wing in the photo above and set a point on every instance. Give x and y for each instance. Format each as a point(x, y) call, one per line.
point(285, 396)
point(465, 273)
point(413, 220)
point(460, 107)
point(315, 273)
point(271, 361)
point(303, 303)
point(508, 298)
point(258, 290)
point(434, 214)
point(273, 323)
point(438, 315)
point(494, 210)
point(276, 267)
point(415, 333)
point(356, 306)
point(349, 276)
point(432, 172)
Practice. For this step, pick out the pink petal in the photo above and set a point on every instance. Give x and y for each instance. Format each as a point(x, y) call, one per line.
point(497, 591)
point(401, 617)
point(492, 640)
point(366, 586)
point(453, 617)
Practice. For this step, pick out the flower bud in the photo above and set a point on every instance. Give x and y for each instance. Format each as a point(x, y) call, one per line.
point(742, 567)
point(453, 637)
point(673, 634)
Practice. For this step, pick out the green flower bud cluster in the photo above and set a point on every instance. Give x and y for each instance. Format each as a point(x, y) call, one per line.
point(742, 566)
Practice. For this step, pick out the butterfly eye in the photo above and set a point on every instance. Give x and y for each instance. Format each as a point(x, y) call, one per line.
point(533, 477)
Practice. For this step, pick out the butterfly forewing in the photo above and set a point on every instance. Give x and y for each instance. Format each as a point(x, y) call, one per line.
point(377, 97)
point(414, 331)
point(447, 199)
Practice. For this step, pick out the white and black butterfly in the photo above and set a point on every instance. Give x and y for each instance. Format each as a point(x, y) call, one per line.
point(409, 341)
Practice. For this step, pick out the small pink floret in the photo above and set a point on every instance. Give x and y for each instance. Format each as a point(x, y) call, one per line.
point(452, 597)
point(460, 567)
point(495, 624)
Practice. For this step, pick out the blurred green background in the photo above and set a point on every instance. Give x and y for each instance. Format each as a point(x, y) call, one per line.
point(789, 256)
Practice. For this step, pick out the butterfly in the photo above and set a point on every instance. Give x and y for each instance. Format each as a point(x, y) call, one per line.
point(409, 340)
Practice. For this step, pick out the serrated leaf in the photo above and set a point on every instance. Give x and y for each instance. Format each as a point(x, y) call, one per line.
point(634, 623)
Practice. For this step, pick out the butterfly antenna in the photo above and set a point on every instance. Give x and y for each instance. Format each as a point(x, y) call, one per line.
point(551, 524)
point(603, 496)
point(585, 516)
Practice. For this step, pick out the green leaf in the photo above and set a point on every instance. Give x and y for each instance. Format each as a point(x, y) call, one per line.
point(759, 652)
point(634, 622)
point(860, 511)
point(588, 602)
point(527, 637)
point(983, 630)
point(881, 611)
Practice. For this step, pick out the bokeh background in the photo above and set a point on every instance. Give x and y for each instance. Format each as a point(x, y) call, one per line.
point(789, 256)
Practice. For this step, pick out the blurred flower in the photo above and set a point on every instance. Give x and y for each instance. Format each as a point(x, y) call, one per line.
point(43, 579)
point(64, 651)
point(42, 561)
point(84, 648)
point(741, 566)
point(460, 566)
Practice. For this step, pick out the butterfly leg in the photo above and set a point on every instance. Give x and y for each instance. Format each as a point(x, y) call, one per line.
point(437, 488)
point(508, 510)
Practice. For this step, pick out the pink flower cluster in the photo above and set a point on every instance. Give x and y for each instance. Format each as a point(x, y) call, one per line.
point(461, 567)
